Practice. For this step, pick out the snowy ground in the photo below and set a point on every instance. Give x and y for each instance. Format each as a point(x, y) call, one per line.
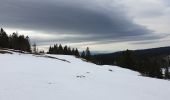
point(27, 77)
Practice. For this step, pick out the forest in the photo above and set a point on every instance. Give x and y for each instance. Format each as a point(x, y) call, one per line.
point(152, 62)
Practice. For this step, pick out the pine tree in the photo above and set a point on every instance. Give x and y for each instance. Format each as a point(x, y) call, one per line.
point(69, 51)
point(14, 43)
point(50, 50)
point(27, 43)
point(88, 54)
point(83, 54)
point(55, 49)
point(77, 53)
point(73, 52)
point(65, 50)
point(4, 39)
point(60, 49)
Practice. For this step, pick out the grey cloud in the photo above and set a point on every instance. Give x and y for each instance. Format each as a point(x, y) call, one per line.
point(145, 42)
point(146, 39)
point(89, 20)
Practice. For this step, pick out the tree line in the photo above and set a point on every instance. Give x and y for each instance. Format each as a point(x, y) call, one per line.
point(14, 41)
point(66, 50)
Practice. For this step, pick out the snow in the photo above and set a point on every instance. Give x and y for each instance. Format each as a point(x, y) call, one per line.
point(30, 77)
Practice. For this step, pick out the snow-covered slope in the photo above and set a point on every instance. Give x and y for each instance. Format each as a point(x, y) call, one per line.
point(27, 77)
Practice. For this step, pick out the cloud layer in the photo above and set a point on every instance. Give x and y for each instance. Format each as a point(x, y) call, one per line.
point(98, 20)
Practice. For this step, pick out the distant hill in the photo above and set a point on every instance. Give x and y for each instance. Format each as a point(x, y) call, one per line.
point(109, 57)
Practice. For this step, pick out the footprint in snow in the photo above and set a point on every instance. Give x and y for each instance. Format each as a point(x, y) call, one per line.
point(110, 70)
point(50, 83)
point(81, 76)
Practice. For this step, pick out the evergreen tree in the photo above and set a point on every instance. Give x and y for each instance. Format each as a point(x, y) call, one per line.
point(65, 50)
point(50, 50)
point(88, 54)
point(4, 39)
point(73, 52)
point(55, 49)
point(83, 54)
point(60, 49)
point(14, 43)
point(77, 53)
point(69, 51)
point(23, 43)
point(27, 43)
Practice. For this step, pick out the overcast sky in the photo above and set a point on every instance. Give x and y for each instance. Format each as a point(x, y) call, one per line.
point(103, 25)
